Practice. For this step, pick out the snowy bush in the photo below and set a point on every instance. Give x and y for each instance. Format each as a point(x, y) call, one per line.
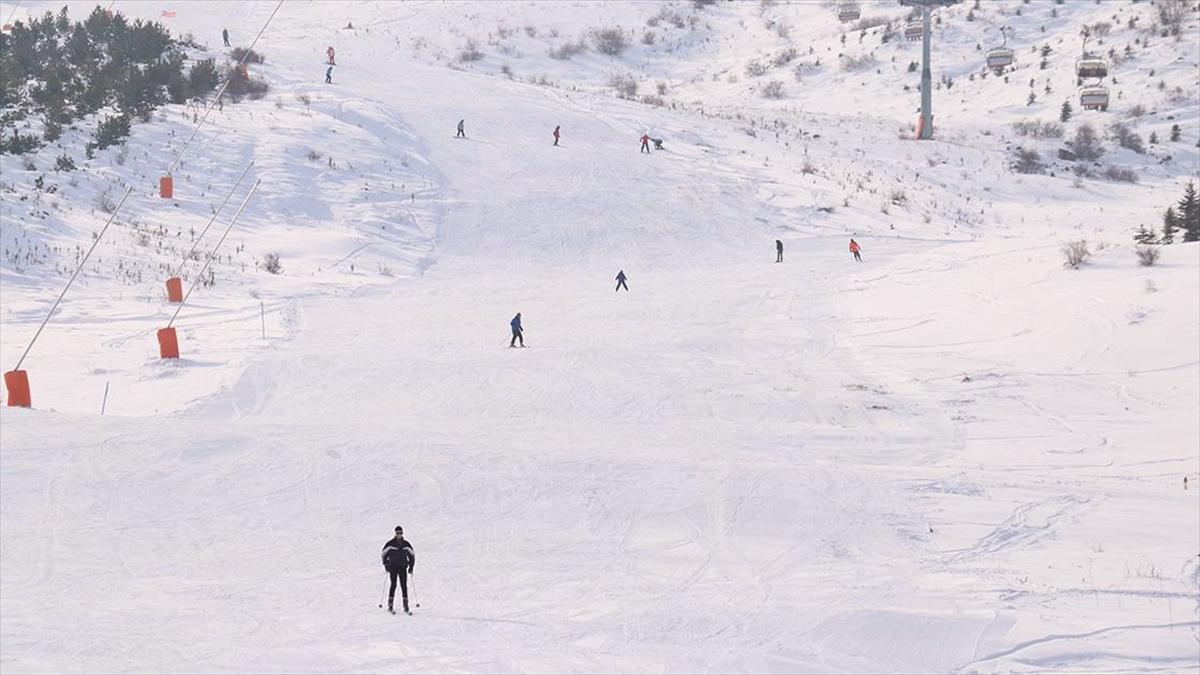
point(567, 50)
point(1038, 129)
point(1147, 255)
point(1075, 253)
point(610, 41)
point(240, 84)
point(249, 55)
point(110, 131)
point(314, 156)
point(755, 69)
point(1119, 174)
point(648, 37)
point(64, 163)
point(1086, 145)
point(271, 263)
point(1126, 138)
point(773, 90)
point(470, 52)
point(854, 63)
point(624, 84)
point(869, 22)
point(784, 57)
point(1028, 161)
point(19, 144)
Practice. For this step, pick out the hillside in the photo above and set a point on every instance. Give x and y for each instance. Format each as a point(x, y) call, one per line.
point(954, 455)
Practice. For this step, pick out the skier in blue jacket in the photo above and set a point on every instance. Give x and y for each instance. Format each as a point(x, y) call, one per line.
point(518, 334)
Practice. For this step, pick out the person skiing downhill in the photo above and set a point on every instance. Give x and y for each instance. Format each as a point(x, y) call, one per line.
point(225, 36)
point(329, 56)
point(556, 134)
point(621, 281)
point(855, 248)
point(517, 332)
point(645, 144)
point(778, 251)
point(461, 132)
point(398, 560)
point(329, 75)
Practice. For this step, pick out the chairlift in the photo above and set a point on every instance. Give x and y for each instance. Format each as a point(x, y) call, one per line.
point(1091, 67)
point(1001, 57)
point(848, 11)
point(1094, 98)
point(914, 31)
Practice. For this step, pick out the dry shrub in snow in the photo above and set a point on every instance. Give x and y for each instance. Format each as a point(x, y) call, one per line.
point(860, 62)
point(755, 69)
point(271, 263)
point(610, 41)
point(1147, 255)
point(1038, 129)
point(1027, 161)
point(1127, 139)
point(773, 90)
point(1075, 253)
point(567, 50)
point(470, 52)
point(624, 84)
point(1120, 175)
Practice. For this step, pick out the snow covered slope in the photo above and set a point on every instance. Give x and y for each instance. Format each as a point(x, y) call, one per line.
point(955, 455)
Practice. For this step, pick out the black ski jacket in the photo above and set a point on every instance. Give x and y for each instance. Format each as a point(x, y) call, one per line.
point(398, 555)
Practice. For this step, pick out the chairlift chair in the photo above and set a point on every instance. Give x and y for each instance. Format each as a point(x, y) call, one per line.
point(1001, 57)
point(848, 11)
point(1094, 98)
point(914, 31)
point(1091, 67)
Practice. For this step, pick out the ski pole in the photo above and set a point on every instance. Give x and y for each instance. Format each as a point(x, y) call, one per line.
point(383, 591)
point(414, 583)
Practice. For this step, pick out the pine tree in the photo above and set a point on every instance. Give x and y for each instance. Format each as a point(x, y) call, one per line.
point(1175, 132)
point(1144, 236)
point(1170, 226)
point(1153, 138)
point(1189, 212)
point(1065, 114)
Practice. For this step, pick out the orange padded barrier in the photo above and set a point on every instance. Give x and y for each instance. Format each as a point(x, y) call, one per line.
point(17, 383)
point(174, 290)
point(166, 187)
point(168, 343)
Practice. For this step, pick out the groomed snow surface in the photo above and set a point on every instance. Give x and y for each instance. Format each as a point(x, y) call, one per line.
point(953, 456)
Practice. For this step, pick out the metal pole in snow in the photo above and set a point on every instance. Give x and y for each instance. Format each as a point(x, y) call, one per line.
point(70, 281)
point(212, 254)
point(263, 309)
point(104, 403)
point(926, 77)
point(212, 220)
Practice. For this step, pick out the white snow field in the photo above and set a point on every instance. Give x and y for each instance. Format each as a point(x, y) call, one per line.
point(954, 456)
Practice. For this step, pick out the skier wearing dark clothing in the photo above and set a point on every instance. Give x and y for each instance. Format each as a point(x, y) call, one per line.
point(518, 333)
point(225, 36)
point(645, 144)
point(398, 560)
point(556, 134)
point(329, 75)
point(461, 132)
point(657, 143)
point(621, 281)
point(778, 251)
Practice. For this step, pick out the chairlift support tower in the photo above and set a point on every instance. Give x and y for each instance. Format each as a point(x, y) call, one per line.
point(926, 72)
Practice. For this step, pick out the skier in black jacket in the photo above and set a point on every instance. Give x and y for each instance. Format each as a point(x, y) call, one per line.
point(398, 560)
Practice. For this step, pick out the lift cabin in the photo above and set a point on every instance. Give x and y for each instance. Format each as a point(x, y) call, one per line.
point(1091, 67)
point(1001, 57)
point(1094, 98)
point(848, 11)
point(914, 31)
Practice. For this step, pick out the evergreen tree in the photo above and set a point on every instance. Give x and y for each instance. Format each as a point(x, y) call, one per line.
point(1144, 237)
point(1189, 212)
point(1153, 138)
point(1175, 130)
point(1170, 226)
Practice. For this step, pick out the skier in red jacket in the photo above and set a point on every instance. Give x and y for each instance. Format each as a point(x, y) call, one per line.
point(645, 143)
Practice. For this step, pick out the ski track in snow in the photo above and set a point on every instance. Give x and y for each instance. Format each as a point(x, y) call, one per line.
point(953, 457)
